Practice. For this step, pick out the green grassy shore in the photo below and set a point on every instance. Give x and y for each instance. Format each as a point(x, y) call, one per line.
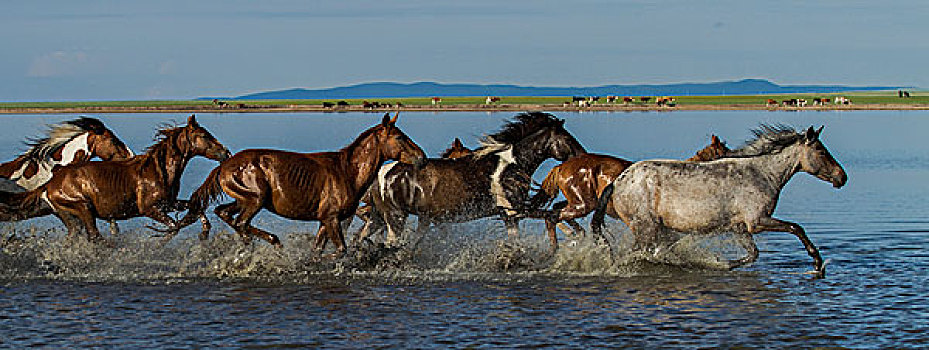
point(870, 100)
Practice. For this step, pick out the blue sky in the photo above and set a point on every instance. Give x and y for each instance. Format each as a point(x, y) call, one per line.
point(118, 50)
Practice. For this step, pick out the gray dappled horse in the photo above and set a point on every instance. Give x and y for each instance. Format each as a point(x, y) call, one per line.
point(735, 194)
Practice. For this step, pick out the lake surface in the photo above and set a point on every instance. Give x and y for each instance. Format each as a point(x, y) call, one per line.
point(453, 293)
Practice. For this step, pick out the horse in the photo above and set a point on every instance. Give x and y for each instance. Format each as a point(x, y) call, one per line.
point(582, 178)
point(144, 185)
point(736, 194)
point(456, 150)
point(322, 186)
point(73, 141)
point(494, 181)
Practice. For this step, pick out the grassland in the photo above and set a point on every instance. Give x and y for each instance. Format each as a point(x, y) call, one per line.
point(870, 100)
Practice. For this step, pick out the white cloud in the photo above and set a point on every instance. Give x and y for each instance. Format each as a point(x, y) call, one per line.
point(58, 63)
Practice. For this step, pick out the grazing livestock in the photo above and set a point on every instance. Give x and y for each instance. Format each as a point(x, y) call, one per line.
point(436, 100)
point(491, 99)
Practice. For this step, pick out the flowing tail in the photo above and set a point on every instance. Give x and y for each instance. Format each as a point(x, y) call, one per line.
point(596, 223)
point(16, 206)
point(548, 190)
point(201, 198)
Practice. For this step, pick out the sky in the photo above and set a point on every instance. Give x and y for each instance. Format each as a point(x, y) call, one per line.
point(167, 49)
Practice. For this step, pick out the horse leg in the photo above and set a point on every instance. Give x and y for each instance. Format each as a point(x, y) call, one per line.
point(243, 222)
point(772, 224)
point(512, 228)
point(71, 223)
point(90, 225)
point(748, 243)
point(334, 226)
point(226, 213)
point(396, 222)
point(373, 223)
point(205, 227)
point(322, 238)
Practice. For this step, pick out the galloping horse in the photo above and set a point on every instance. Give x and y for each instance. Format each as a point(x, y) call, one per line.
point(144, 185)
point(582, 178)
point(73, 141)
point(324, 186)
point(494, 181)
point(736, 194)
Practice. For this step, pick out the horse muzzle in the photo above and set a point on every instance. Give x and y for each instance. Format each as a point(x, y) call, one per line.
point(222, 155)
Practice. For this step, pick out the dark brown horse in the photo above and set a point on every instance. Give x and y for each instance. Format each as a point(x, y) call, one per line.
point(456, 150)
point(323, 186)
point(581, 180)
point(495, 181)
point(145, 185)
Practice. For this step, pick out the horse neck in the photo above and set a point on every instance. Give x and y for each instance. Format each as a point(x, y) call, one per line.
point(362, 161)
point(528, 156)
point(169, 162)
point(779, 167)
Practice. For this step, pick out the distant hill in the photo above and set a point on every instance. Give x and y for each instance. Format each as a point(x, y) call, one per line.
point(427, 89)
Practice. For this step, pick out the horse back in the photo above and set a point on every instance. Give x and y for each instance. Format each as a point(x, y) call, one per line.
point(443, 189)
point(110, 187)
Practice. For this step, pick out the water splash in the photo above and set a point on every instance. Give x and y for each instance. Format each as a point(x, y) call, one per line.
point(464, 251)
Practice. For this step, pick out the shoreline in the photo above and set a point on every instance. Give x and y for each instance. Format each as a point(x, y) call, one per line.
point(451, 108)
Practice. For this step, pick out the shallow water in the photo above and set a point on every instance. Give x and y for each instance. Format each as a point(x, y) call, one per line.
point(454, 292)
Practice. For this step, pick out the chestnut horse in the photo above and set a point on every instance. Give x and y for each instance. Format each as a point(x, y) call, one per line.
point(323, 186)
point(71, 142)
point(582, 178)
point(144, 185)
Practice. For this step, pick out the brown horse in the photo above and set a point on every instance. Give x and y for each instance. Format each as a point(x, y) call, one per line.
point(323, 186)
point(73, 141)
point(145, 185)
point(456, 150)
point(582, 178)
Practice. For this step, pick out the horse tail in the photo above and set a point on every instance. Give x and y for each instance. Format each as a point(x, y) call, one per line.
point(548, 190)
point(596, 223)
point(202, 197)
point(16, 206)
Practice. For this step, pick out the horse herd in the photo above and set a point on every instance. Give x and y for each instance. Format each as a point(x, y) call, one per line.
point(717, 190)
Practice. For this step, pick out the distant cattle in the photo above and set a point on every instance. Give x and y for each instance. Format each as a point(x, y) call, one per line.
point(491, 99)
point(772, 102)
point(645, 99)
point(436, 100)
point(328, 104)
point(342, 103)
point(628, 100)
point(665, 101)
point(842, 100)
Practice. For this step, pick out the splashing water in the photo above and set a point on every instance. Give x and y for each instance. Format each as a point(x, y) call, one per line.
point(473, 250)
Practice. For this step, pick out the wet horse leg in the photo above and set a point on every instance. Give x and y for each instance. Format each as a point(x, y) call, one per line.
point(772, 224)
point(747, 241)
point(226, 213)
point(243, 223)
point(114, 227)
point(331, 229)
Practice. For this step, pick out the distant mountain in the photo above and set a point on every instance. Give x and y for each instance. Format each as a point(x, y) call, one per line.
point(427, 89)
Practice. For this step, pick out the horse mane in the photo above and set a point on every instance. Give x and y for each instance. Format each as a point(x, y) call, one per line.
point(60, 134)
point(361, 137)
point(769, 139)
point(522, 125)
point(163, 135)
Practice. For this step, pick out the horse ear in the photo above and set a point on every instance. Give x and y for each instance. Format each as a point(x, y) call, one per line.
point(820, 130)
point(715, 140)
point(457, 143)
point(192, 120)
point(811, 134)
point(561, 122)
point(385, 121)
point(394, 119)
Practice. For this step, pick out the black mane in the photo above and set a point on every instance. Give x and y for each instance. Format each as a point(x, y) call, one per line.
point(769, 139)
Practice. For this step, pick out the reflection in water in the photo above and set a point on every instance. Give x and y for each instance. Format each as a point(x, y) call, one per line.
point(59, 292)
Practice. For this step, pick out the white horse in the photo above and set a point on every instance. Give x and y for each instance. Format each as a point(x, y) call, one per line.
point(735, 194)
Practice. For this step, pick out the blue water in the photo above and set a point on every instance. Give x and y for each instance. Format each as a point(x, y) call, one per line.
point(59, 292)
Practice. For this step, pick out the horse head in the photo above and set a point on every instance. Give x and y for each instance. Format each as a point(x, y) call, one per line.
point(101, 141)
point(561, 145)
point(197, 141)
point(817, 161)
point(395, 145)
point(715, 150)
point(457, 150)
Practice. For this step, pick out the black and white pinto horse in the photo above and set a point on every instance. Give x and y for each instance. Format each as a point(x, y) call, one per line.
point(495, 181)
point(737, 194)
